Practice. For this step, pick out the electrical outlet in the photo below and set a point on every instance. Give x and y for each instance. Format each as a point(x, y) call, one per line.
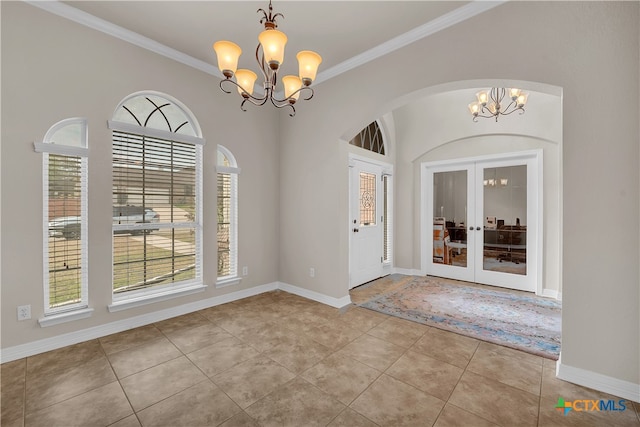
point(245, 271)
point(312, 272)
point(24, 312)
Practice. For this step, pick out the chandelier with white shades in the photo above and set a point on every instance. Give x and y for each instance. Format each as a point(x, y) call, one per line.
point(270, 56)
point(490, 105)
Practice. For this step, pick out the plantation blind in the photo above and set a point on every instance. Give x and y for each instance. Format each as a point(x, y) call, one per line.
point(156, 239)
point(66, 178)
point(226, 247)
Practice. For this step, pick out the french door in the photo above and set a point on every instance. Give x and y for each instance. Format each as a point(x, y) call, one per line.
point(481, 220)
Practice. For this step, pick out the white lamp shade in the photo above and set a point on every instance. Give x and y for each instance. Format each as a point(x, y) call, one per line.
point(273, 42)
point(483, 97)
point(514, 93)
point(308, 63)
point(246, 79)
point(474, 108)
point(228, 54)
point(522, 99)
point(291, 84)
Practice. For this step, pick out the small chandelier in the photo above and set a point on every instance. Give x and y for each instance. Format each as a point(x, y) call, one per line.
point(269, 55)
point(489, 103)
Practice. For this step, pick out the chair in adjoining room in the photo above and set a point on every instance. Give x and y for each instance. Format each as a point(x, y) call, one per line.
point(441, 249)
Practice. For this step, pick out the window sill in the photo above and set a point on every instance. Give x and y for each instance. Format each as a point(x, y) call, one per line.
point(228, 281)
point(141, 300)
point(68, 316)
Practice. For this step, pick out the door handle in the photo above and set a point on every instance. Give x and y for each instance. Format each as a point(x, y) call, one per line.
point(478, 228)
point(355, 230)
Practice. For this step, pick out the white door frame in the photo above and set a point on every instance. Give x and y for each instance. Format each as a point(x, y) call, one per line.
point(386, 169)
point(535, 201)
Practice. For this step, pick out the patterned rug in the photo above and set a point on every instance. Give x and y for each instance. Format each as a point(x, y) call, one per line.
point(512, 319)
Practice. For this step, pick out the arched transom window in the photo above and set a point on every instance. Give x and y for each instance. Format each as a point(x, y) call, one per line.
point(370, 138)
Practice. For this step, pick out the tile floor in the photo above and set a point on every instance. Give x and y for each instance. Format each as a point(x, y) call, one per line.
point(277, 359)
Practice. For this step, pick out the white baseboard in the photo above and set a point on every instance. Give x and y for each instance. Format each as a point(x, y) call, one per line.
point(408, 271)
point(550, 293)
point(324, 299)
point(47, 344)
point(603, 383)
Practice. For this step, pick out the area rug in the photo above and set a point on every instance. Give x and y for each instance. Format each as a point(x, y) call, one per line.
point(511, 319)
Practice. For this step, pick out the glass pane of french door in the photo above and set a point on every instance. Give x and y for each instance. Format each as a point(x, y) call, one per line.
point(450, 218)
point(505, 219)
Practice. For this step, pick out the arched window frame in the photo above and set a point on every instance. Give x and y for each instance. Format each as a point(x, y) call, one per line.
point(370, 138)
point(65, 242)
point(228, 275)
point(163, 112)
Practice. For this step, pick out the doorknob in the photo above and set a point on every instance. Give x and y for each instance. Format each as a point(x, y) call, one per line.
point(355, 230)
point(478, 228)
point(470, 228)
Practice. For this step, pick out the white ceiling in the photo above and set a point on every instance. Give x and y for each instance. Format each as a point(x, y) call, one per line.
point(344, 33)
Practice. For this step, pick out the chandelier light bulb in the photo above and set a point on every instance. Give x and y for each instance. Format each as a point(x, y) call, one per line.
point(291, 85)
point(228, 54)
point(246, 79)
point(273, 42)
point(474, 108)
point(522, 99)
point(483, 97)
point(514, 93)
point(308, 63)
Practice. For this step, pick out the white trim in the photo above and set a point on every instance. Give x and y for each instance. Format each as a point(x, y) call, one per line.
point(408, 271)
point(387, 166)
point(228, 281)
point(65, 150)
point(227, 169)
point(130, 301)
point(551, 293)
point(596, 381)
point(441, 23)
point(315, 296)
point(88, 20)
point(67, 316)
point(47, 344)
point(156, 133)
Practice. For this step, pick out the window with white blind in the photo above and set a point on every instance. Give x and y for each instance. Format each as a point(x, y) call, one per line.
point(227, 206)
point(65, 166)
point(157, 178)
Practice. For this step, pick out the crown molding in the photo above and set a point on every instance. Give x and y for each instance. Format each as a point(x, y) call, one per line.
point(69, 12)
point(447, 20)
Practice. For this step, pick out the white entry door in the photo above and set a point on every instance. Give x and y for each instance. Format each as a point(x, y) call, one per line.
point(366, 226)
point(481, 220)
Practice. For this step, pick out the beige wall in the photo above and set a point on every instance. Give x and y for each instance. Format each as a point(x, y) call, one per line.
point(589, 50)
point(294, 181)
point(54, 69)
